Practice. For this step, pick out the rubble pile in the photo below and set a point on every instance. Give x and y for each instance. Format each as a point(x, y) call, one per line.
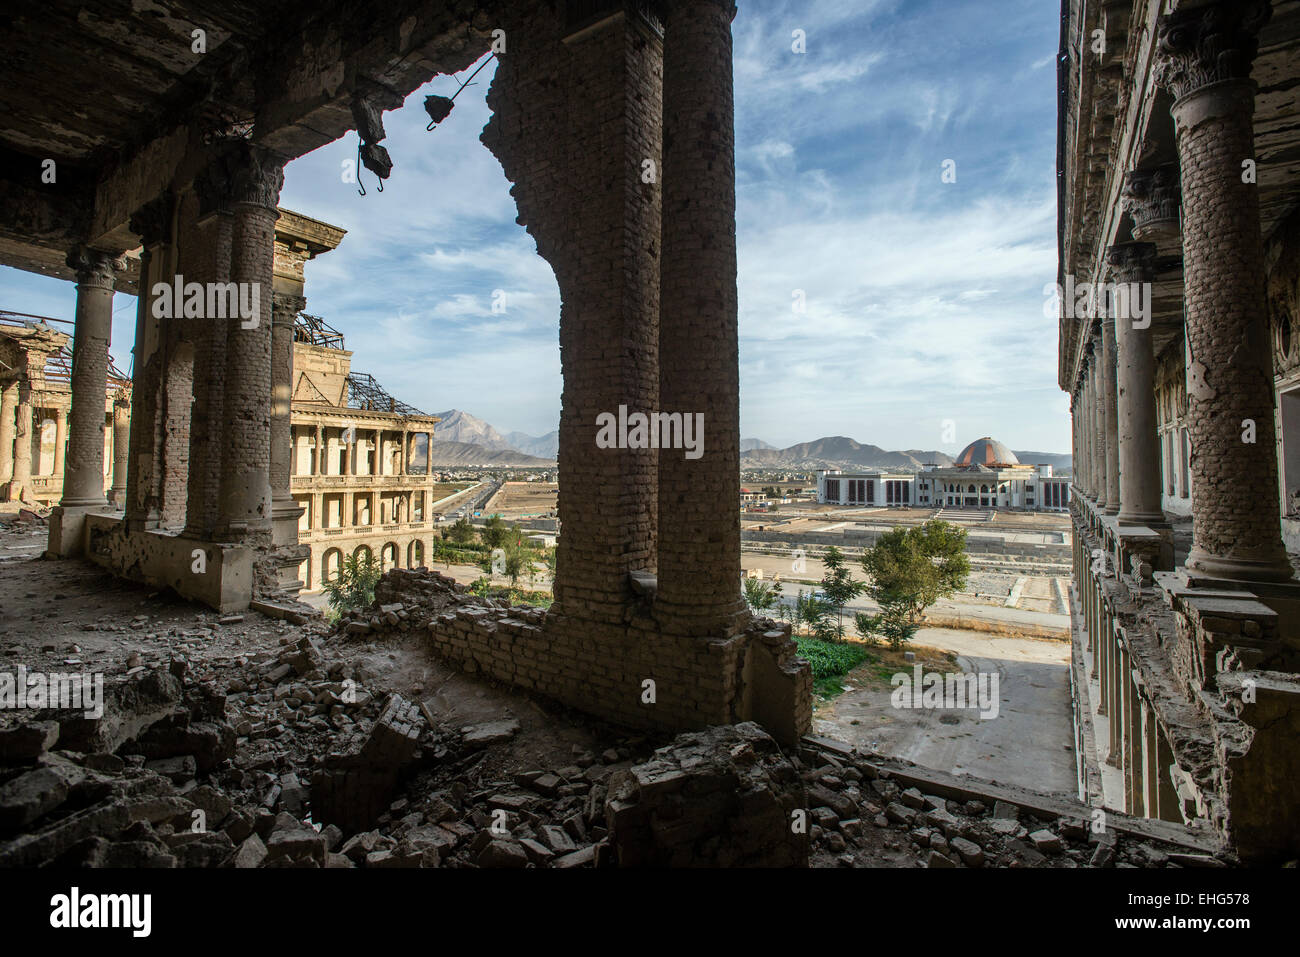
point(283, 759)
point(406, 599)
point(722, 797)
point(860, 816)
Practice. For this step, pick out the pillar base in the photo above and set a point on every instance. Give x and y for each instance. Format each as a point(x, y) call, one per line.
point(219, 575)
point(68, 530)
point(1203, 563)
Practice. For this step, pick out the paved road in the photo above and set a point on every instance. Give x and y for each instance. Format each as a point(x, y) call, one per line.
point(1029, 743)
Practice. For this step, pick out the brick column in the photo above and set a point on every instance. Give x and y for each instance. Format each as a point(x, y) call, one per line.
point(121, 443)
point(1204, 58)
point(1139, 445)
point(212, 237)
point(153, 223)
point(60, 440)
point(83, 477)
point(244, 504)
point(284, 509)
point(8, 411)
point(1110, 413)
point(699, 371)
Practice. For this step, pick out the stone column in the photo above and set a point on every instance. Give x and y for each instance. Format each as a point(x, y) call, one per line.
point(1087, 427)
point(318, 454)
point(121, 444)
point(1204, 57)
point(1098, 419)
point(699, 371)
point(60, 440)
point(244, 504)
point(285, 511)
point(1139, 446)
point(20, 487)
point(83, 478)
point(1110, 414)
point(8, 410)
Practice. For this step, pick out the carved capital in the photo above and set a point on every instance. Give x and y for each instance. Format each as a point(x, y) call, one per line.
point(95, 268)
point(285, 308)
point(1205, 45)
point(1131, 262)
point(1152, 198)
point(152, 222)
point(257, 175)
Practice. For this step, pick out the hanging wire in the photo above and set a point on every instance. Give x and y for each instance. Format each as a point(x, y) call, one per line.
point(361, 188)
point(490, 57)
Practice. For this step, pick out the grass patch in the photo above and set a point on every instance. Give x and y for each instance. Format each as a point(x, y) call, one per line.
point(830, 661)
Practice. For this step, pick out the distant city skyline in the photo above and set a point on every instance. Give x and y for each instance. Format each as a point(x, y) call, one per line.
point(920, 327)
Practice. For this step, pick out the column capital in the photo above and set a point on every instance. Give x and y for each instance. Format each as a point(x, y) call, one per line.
point(257, 177)
point(1206, 45)
point(152, 222)
point(1131, 262)
point(1152, 197)
point(94, 267)
point(285, 308)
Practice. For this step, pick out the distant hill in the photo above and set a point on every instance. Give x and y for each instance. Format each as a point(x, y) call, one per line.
point(839, 452)
point(1058, 461)
point(458, 426)
point(467, 453)
point(546, 446)
point(749, 445)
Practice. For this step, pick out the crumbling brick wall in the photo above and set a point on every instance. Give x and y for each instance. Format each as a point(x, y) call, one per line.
point(640, 678)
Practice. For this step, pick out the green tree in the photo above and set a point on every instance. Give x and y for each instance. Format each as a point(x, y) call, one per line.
point(354, 586)
point(912, 568)
point(462, 532)
point(814, 613)
point(760, 595)
point(495, 532)
point(893, 624)
point(839, 586)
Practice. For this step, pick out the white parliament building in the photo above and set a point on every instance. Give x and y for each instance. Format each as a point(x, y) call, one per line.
point(987, 474)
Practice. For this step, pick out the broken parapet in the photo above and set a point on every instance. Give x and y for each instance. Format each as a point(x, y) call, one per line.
point(722, 797)
point(356, 783)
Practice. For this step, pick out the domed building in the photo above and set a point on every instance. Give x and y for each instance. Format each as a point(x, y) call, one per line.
point(987, 451)
point(986, 475)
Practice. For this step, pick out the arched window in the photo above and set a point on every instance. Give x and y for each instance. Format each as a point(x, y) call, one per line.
point(388, 556)
point(330, 564)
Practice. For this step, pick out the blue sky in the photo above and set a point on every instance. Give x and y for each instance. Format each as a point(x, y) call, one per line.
point(924, 299)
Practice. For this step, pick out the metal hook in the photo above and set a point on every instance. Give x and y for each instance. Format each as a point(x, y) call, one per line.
point(361, 188)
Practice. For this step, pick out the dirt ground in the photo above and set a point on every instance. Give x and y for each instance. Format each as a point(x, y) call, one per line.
point(524, 500)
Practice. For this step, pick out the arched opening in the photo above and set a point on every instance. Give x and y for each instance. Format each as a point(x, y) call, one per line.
point(330, 565)
point(388, 556)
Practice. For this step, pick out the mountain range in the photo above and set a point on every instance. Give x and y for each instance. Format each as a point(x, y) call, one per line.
point(464, 439)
